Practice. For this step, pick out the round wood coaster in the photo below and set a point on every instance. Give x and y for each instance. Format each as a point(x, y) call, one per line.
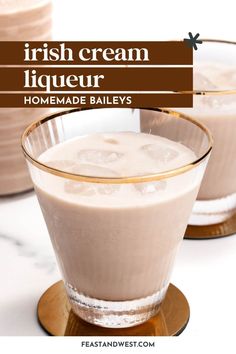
point(225, 228)
point(56, 317)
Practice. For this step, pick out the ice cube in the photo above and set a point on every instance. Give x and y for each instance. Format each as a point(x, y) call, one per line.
point(150, 187)
point(64, 165)
point(82, 188)
point(228, 79)
point(201, 82)
point(215, 101)
point(93, 170)
point(98, 156)
point(160, 153)
point(106, 188)
point(223, 81)
point(90, 189)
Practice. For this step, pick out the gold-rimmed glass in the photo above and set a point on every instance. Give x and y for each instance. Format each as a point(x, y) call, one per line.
point(116, 255)
point(20, 21)
point(214, 104)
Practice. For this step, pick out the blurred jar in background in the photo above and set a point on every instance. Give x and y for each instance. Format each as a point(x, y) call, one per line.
point(20, 20)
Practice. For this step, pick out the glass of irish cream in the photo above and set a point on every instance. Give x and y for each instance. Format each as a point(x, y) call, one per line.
point(116, 202)
point(214, 104)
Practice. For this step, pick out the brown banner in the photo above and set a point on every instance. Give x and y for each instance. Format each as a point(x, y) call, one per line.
point(97, 53)
point(96, 100)
point(96, 79)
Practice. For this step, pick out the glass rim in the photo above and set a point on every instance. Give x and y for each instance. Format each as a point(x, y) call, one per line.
point(212, 92)
point(115, 180)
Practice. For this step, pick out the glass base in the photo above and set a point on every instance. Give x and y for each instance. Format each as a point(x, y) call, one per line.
point(114, 314)
point(210, 212)
point(57, 319)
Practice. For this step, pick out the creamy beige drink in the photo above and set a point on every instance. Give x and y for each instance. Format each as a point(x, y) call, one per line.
point(116, 202)
point(117, 241)
point(216, 108)
point(20, 20)
point(218, 113)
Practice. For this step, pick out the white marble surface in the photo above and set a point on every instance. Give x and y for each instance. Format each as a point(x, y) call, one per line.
point(27, 264)
point(204, 271)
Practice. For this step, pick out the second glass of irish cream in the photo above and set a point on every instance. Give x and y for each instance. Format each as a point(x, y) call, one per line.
point(214, 104)
point(116, 202)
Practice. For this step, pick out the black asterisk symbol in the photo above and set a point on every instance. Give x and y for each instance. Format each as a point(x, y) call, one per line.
point(193, 41)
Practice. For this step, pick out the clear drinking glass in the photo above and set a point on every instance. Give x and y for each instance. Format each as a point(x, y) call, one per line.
point(20, 21)
point(115, 237)
point(214, 104)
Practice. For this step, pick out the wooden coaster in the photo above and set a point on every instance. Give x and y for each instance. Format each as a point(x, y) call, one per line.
point(56, 317)
point(225, 228)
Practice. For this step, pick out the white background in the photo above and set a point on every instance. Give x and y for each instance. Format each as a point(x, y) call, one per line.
point(143, 19)
point(205, 270)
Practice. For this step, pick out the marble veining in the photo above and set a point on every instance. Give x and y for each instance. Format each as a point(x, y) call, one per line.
point(40, 260)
